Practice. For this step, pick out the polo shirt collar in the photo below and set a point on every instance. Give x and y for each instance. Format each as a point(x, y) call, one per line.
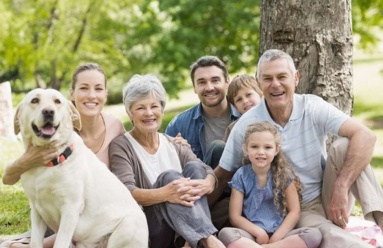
point(298, 108)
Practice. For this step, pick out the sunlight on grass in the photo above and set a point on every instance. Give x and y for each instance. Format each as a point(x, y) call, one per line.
point(367, 82)
point(367, 111)
point(9, 150)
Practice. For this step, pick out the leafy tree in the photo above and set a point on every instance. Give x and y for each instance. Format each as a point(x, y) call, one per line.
point(367, 20)
point(227, 29)
point(42, 41)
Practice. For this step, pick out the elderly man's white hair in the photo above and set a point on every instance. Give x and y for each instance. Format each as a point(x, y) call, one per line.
point(274, 54)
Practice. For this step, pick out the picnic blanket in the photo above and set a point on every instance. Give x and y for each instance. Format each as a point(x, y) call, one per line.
point(368, 231)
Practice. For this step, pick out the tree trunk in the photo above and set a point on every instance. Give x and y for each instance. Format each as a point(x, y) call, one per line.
point(6, 110)
point(318, 35)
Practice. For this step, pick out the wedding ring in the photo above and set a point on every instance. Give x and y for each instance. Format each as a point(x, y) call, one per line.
point(340, 217)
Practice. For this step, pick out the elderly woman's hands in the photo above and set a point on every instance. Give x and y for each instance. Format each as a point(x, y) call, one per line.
point(186, 191)
point(182, 191)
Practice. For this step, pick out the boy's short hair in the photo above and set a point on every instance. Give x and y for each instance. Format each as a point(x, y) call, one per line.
point(239, 82)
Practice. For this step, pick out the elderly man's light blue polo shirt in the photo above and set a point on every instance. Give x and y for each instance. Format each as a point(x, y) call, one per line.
point(303, 139)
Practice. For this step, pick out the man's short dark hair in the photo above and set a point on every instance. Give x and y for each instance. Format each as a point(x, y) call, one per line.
point(208, 60)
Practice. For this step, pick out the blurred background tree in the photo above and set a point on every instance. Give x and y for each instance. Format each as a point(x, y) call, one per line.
point(318, 36)
point(43, 41)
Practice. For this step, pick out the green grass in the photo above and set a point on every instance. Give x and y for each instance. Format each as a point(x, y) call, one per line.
point(368, 107)
point(377, 161)
point(14, 217)
point(14, 214)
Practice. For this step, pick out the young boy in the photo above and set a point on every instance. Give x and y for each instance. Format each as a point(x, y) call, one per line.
point(244, 93)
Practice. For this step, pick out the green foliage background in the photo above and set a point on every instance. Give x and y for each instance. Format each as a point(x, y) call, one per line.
point(43, 41)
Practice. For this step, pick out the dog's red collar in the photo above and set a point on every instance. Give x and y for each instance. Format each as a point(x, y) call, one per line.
point(62, 157)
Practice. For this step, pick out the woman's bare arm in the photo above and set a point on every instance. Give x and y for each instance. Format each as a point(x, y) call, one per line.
point(32, 157)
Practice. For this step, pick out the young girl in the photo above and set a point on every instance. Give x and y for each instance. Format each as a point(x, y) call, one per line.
point(244, 93)
point(265, 198)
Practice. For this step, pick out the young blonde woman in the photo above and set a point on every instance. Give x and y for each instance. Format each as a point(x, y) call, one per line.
point(89, 94)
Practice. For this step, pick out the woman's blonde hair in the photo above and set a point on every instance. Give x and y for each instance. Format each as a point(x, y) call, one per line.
point(86, 67)
point(281, 169)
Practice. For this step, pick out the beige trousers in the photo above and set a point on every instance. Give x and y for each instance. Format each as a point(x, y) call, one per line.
point(366, 190)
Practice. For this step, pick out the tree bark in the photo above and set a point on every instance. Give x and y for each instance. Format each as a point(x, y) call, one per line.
point(6, 110)
point(318, 35)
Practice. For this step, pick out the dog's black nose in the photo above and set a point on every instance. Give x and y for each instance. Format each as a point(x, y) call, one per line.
point(48, 114)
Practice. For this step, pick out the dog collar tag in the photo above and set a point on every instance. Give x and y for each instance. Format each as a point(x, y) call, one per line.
point(62, 157)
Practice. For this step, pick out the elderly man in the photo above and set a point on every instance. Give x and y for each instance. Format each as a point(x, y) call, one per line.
point(330, 182)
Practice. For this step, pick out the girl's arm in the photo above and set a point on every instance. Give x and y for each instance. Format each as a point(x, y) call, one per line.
point(293, 213)
point(237, 220)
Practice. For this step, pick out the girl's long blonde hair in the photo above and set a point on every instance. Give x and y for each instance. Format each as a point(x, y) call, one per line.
point(281, 169)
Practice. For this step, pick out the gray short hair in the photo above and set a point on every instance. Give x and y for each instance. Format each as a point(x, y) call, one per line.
point(140, 86)
point(274, 54)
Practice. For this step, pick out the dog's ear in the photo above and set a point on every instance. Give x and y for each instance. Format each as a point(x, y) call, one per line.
point(16, 124)
point(76, 120)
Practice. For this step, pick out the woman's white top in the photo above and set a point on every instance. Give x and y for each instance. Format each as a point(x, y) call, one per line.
point(166, 157)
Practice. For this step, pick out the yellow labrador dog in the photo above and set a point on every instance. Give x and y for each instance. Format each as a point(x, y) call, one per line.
point(75, 194)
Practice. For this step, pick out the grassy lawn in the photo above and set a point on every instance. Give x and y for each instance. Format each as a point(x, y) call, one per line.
point(14, 214)
point(368, 107)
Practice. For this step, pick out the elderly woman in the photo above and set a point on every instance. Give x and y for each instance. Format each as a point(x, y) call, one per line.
point(165, 177)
